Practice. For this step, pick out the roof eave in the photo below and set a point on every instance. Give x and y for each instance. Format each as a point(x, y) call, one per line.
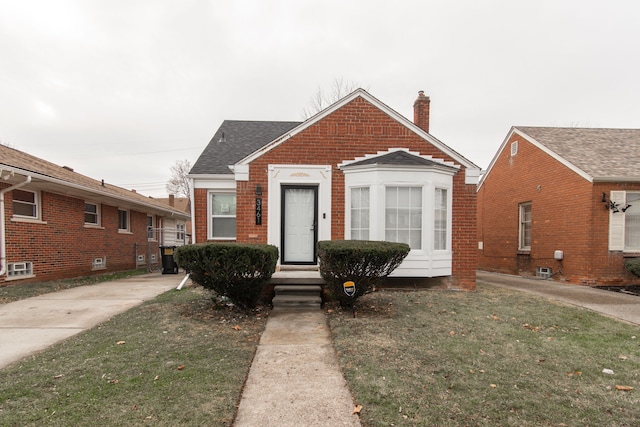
point(616, 179)
point(91, 191)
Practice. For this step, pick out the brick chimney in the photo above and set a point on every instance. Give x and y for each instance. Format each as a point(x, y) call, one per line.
point(421, 111)
point(172, 200)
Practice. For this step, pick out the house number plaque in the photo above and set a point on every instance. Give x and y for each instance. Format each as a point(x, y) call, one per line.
point(258, 210)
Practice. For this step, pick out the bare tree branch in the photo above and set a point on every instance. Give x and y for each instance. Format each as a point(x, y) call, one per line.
point(321, 99)
point(179, 183)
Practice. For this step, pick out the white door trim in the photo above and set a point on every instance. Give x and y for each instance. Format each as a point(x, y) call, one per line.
point(279, 175)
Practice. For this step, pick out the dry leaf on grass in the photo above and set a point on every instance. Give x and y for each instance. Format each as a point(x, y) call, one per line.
point(357, 409)
point(120, 342)
point(181, 367)
point(624, 388)
point(57, 377)
point(236, 327)
point(114, 381)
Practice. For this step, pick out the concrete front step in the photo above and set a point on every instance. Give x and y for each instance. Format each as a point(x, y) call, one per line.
point(297, 296)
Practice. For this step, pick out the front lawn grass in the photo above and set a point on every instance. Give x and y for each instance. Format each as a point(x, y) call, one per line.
point(179, 359)
point(494, 357)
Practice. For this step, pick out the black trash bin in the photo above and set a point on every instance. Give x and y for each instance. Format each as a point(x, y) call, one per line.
point(169, 265)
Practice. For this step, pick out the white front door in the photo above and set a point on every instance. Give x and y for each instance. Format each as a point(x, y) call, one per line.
point(299, 224)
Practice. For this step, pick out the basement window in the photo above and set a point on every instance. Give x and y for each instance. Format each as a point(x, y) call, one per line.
point(20, 270)
point(99, 263)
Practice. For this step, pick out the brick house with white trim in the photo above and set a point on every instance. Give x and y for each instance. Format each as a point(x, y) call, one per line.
point(356, 170)
point(562, 202)
point(56, 223)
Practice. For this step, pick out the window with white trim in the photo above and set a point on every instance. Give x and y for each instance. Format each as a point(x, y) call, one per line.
point(524, 227)
point(123, 220)
point(222, 209)
point(26, 204)
point(91, 213)
point(99, 263)
point(20, 269)
point(180, 233)
point(403, 215)
point(514, 148)
point(631, 221)
point(360, 213)
point(440, 219)
point(151, 229)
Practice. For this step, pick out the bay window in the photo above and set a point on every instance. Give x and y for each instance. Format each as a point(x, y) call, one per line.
point(360, 213)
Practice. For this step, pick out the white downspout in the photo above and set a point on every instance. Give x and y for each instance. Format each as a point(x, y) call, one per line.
point(3, 244)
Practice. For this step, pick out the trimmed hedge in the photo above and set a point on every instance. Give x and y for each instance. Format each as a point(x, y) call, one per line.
point(238, 271)
point(364, 262)
point(633, 266)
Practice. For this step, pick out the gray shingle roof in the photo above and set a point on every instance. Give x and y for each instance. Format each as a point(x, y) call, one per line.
point(600, 153)
point(396, 158)
point(234, 140)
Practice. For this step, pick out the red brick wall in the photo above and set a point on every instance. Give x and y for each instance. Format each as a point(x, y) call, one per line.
point(567, 215)
point(356, 129)
point(61, 247)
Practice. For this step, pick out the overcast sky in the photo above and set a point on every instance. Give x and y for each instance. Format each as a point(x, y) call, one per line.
point(121, 89)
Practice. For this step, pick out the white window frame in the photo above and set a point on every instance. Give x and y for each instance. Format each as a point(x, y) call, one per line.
point(419, 189)
point(441, 213)
point(99, 263)
point(19, 270)
point(356, 233)
point(211, 217)
point(618, 233)
point(524, 224)
point(181, 232)
point(36, 205)
point(97, 214)
point(128, 220)
point(151, 228)
point(514, 148)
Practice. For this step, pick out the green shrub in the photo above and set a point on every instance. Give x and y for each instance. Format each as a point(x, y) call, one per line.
point(366, 263)
point(238, 271)
point(633, 266)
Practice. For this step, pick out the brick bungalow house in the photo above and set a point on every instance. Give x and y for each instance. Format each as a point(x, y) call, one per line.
point(356, 170)
point(562, 202)
point(56, 223)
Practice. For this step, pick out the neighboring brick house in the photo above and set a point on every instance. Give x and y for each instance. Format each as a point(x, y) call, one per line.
point(55, 223)
point(356, 170)
point(562, 202)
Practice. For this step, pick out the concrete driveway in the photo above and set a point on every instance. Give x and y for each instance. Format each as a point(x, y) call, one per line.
point(33, 324)
point(613, 304)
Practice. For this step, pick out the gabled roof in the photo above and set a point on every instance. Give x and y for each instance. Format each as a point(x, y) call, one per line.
point(233, 141)
point(51, 177)
point(380, 105)
point(596, 154)
point(398, 157)
point(240, 142)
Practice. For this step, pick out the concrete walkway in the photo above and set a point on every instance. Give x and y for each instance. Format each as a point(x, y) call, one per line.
point(33, 324)
point(613, 304)
point(295, 379)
